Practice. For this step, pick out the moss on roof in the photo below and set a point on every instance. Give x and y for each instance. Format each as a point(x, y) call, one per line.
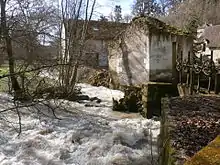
point(210, 155)
point(155, 25)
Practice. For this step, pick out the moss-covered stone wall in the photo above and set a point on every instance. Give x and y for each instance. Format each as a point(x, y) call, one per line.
point(164, 141)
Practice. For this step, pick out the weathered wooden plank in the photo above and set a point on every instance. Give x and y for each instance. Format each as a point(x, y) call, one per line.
point(217, 83)
point(174, 58)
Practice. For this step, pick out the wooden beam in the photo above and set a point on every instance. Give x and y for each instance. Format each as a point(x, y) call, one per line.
point(191, 73)
point(174, 71)
point(217, 83)
point(210, 76)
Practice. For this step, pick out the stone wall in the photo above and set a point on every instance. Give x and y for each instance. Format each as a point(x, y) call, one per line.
point(139, 56)
point(99, 48)
point(95, 51)
point(152, 93)
point(129, 57)
point(166, 151)
point(146, 98)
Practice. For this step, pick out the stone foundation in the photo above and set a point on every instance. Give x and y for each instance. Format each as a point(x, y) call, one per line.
point(147, 96)
point(152, 93)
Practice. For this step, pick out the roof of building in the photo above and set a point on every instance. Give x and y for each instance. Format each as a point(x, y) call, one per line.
point(104, 30)
point(156, 25)
point(212, 34)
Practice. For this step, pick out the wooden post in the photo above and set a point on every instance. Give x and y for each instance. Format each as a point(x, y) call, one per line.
point(180, 72)
point(188, 72)
point(210, 76)
point(217, 83)
point(174, 71)
point(191, 87)
point(198, 83)
point(147, 112)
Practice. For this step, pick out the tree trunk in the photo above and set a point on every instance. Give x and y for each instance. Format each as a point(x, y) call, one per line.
point(5, 34)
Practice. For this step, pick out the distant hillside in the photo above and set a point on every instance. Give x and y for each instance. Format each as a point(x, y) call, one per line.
point(194, 12)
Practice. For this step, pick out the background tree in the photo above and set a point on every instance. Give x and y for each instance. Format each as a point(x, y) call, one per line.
point(166, 5)
point(9, 50)
point(75, 17)
point(117, 13)
point(146, 8)
point(22, 25)
point(33, 26)
point(182, 13)
point(111, 17)
point(103, 18)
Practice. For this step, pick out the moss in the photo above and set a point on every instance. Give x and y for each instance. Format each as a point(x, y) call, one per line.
point(158, 26)
point(4, 70)
point(210, 155)
point(167, 152)
point(171, 155)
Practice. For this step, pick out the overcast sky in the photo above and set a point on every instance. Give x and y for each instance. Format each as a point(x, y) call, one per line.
point(105, 7)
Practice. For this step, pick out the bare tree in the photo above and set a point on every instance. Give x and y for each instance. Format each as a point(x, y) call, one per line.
point(75, 19)
point(103, 18)
point(35, 21)
point(8, 42)
point(184, 12)
point(23, 22)
point(127, 18)
point(22, 28)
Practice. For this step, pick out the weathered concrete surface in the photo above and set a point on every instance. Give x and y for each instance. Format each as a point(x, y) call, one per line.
point(98, 33)
point(161, 55)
